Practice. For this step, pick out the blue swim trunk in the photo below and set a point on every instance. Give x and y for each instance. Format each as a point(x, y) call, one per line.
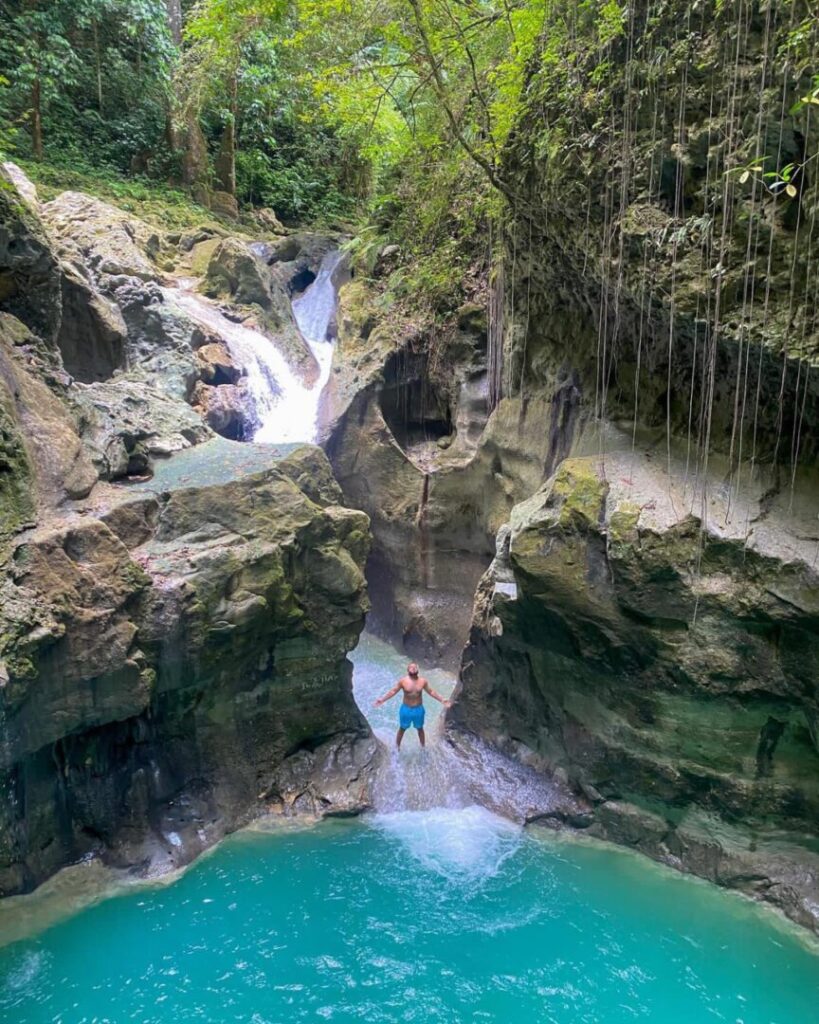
point(409, 717)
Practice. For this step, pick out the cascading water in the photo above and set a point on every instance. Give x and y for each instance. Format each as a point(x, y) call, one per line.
point(295, 413)
point(425, 798)
point(285, 408)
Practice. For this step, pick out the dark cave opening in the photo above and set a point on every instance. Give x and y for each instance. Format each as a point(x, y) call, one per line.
point(415, 409)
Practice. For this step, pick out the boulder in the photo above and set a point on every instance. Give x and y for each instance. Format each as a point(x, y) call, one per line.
point(268, 221)
point(26, 188)
point(227, 408)
point(93, 336)
point(45, 460)
point(102, 237)
point(174, 663)
point(216, 364)
point(235, 272)
point(127, 422)
point(162, 336)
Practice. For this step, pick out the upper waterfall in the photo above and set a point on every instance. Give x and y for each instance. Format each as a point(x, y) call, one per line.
point(295, 413)
point(285, 407)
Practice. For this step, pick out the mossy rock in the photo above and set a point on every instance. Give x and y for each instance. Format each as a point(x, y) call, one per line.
point(17, 505)
point(581, 493)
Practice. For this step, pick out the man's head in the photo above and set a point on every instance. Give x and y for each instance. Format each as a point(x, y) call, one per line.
point(412, 670)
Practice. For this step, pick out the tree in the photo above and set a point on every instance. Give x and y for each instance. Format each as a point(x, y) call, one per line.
point(427, 70)
point(216, 37)
point(65, 58)
point(38, 58)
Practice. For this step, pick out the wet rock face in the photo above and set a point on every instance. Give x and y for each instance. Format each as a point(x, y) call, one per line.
point(101, 336)
point(226, 408)
point(29, 272)
point(391, 438)
point(172, 659)
point(438, 473)
point(668, 674)
point(164, 659)
point(93, 335)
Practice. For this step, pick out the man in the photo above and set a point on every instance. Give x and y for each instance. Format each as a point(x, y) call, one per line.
point(412, 711)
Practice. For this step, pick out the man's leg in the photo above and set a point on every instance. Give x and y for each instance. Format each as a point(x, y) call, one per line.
point(398, 737)
point(422, 737)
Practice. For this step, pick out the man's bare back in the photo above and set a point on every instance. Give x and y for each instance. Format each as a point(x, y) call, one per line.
point(411, 713)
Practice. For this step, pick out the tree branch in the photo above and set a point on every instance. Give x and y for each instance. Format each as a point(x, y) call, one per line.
point(440, 90)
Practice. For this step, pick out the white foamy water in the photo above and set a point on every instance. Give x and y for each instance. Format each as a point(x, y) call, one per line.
point(286, 409)
point(295, 413)
point(424, 799)
point(315, 311)
point(466, 844)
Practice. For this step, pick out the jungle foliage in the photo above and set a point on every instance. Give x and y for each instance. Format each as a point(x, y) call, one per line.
point(313, 107)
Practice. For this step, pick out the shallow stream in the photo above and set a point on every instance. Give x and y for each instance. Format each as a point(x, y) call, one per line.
point(438, 913)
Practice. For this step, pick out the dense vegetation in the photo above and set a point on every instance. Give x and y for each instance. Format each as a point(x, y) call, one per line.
point(430, 122)
point(307, 107)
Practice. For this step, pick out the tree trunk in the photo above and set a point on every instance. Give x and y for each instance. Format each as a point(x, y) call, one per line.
point(174, 9)
point(99, 65)
point(195, 158)
point(226, 160)
point(175, 138)
point(36, 119)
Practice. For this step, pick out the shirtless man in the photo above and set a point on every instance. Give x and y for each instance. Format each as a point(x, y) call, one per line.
point(412, 711)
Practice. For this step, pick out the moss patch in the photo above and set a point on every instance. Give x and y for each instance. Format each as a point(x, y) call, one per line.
point(582, 491)
point(17, 507)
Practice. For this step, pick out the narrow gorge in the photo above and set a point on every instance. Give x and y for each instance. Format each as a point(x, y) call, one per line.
point(531, 400)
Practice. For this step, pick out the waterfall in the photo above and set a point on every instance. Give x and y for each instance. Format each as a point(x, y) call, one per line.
point(296, 413)
point(315, 310)
point(285, 409)
point(457, 810)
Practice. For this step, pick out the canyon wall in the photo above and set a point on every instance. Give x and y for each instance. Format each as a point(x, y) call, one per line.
point(646, 634)
point(631, 439)
point(176, 609)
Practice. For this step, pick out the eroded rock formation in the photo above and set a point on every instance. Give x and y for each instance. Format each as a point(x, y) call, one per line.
point(666, 673)
point(172, 651)
point(165, 653)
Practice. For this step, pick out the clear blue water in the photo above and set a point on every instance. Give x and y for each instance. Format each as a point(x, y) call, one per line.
point(443, 914)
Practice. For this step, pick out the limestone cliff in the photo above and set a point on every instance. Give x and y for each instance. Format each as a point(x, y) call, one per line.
point(667, 675)
point(645, 635)
point(164, 654)
point(172, 649)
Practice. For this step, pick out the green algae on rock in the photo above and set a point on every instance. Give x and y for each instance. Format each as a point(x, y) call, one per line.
point(665, 672)
point(165, 657)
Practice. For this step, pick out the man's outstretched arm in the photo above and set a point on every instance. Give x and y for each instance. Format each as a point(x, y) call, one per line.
point(436, 696)
point(387, 696)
